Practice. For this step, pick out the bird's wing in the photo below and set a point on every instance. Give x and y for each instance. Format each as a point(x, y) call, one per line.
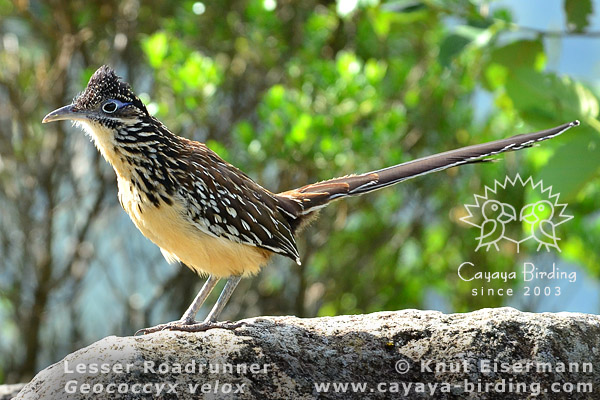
point(548, 231)
point(226, 202)
point(488, 231)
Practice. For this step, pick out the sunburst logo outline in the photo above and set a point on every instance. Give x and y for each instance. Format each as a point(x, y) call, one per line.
point(541, 217)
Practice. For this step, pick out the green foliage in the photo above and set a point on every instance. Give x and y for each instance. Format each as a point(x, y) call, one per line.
point(578, 14)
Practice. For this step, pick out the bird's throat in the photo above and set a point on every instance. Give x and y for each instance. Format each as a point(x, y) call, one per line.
point(104, 140)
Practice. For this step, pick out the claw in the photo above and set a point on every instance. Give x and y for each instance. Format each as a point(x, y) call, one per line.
point(190, 326)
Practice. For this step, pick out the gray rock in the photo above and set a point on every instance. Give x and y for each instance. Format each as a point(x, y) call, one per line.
point(7, 392)
point(405, 354)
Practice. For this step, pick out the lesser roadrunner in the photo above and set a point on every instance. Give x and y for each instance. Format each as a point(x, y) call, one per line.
point(206, 213)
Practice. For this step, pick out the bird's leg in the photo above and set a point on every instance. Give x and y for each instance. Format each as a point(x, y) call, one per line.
point(223, 299)
point(189, 315)
point(187, 322)
point(210, 322)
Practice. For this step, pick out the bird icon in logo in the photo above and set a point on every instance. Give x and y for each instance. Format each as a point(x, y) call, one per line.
point(539, 217)
point(496, 215)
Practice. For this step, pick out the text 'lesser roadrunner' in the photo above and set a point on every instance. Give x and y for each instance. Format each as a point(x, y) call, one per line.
point(205, 212)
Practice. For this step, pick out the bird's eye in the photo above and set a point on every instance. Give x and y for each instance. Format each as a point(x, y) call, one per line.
point(113, 105)
point(541, 207)
point(110, 107)
point(495, 207)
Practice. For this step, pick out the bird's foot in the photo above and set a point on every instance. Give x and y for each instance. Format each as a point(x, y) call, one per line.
point(184, 325)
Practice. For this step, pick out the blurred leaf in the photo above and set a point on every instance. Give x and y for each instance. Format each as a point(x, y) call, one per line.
point(541, 96)
point(519, 54)
point(578, 13)
point(375, 70)
point(403, 11)
point(348, 65)
point(299, 132)
point(218, 148)
point(574, 164)
point(155, 47)
point(274, 97)
point(496, 75)
point(472, 33)
point(452, 45)
point(319, 28)
point(402, 6)
point(6, 7)
point(462, 36)
point(503, 15)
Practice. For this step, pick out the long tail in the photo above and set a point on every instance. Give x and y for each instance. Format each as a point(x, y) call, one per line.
point(307, 199)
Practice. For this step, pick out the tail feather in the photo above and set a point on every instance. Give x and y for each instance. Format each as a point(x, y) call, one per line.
point(310, 198)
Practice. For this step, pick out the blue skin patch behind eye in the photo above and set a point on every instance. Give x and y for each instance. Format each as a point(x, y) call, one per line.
point(113, 103)
point(120, 104)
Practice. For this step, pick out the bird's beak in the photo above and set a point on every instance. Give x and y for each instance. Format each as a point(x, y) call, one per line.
point(508, 213)
point(527, 214)
point(66, 112)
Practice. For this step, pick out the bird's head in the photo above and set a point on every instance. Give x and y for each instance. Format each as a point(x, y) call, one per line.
point(117, 121)
point(495, 210)
point(106, 101)
point(534, 212)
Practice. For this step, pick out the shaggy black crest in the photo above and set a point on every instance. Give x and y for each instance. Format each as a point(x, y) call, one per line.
point(103, 85)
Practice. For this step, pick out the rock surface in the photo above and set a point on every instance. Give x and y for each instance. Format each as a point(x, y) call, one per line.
point(405, 354)
point(7, 392)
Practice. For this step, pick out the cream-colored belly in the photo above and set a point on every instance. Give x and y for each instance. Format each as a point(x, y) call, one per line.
point(179, 240)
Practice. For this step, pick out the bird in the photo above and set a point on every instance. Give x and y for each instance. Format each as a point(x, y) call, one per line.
point(206, 213)
point(496, 215)
point(539, 217)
